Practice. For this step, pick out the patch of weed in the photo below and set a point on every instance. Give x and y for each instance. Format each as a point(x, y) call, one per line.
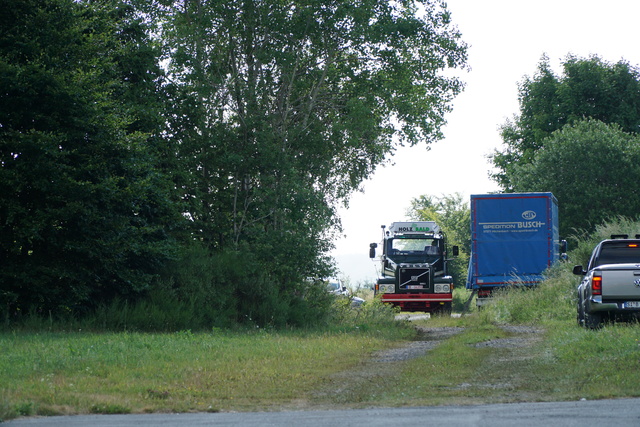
point(109, 408)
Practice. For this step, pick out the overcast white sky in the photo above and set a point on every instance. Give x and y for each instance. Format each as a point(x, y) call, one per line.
point(507, 38)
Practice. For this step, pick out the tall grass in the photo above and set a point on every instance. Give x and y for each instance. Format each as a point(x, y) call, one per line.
point(373, 315)
point(551, 301)
point(54, 373)
point(46, 374)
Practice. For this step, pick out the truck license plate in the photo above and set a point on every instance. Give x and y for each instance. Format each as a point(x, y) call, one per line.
point(632, 304)
point(414, 287)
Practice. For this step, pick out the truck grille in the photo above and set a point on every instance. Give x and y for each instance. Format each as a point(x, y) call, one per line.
point(414, 277)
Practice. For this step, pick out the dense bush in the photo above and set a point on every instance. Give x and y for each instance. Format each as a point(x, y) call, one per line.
point(202, 290)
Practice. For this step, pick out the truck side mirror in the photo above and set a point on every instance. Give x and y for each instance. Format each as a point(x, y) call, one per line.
point(578, 271)
point(372, 250)
point(455, 250)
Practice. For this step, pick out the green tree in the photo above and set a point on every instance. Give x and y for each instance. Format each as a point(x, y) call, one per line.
point(282, 110)
point(452, 214)
point(593, 168)
point(84, 214)
point(588, 88)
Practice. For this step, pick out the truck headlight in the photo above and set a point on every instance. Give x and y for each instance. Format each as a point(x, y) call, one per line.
point(442, 288)
point(387, 288)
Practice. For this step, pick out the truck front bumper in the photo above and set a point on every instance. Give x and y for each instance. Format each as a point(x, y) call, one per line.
point(419, 302)
point(417, 297)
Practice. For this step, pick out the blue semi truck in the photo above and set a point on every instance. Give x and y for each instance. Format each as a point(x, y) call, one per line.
point(514, 239)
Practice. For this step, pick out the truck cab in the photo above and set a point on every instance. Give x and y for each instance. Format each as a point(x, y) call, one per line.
point(414, 273)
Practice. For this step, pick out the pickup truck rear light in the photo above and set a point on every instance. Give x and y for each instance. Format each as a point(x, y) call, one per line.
point(596, 285)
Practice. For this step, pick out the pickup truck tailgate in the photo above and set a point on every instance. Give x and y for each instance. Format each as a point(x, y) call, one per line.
point(620, 281)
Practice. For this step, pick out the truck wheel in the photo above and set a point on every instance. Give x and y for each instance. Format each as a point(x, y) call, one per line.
point(580, 310)
point(592, 321)
point(446, 309)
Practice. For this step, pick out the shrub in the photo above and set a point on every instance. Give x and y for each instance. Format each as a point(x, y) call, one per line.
point(553, 299)
point(202, 290)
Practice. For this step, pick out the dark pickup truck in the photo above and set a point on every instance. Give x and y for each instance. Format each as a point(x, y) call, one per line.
point(610, 288)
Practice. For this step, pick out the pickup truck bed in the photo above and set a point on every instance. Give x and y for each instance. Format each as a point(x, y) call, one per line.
point(610, 288)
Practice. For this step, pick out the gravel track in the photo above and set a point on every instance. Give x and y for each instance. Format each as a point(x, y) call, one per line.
point(344, 388)
point(427, 339)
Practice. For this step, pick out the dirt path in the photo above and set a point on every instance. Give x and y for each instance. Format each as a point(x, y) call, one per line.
point(359, 384)
point(354, 385)
point(427, 339)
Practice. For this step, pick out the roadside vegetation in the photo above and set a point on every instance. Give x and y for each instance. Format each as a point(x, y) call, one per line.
point(50, 371)
point(525, 346)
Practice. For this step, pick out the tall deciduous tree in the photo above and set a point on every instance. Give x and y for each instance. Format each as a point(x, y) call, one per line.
point(284, 108)
point(84, 215)
point(593, 168)
point(588, 88)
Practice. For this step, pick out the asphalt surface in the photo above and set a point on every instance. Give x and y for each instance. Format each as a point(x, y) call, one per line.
point(621, 412)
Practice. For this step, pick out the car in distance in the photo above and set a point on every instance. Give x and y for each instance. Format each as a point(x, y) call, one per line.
point(336, 287)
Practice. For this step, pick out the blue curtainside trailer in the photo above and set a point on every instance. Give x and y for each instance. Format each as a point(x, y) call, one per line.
point(514, 239)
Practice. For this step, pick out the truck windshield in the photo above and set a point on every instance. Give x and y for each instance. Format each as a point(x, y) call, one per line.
point(423, 246)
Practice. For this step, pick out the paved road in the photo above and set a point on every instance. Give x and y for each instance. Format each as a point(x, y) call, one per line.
point(622, 412)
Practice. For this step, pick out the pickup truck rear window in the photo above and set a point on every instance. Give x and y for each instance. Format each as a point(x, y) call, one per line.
point(618, 253)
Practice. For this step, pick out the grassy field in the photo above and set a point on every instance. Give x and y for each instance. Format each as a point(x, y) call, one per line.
point(67, 373)
point(51, 373)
